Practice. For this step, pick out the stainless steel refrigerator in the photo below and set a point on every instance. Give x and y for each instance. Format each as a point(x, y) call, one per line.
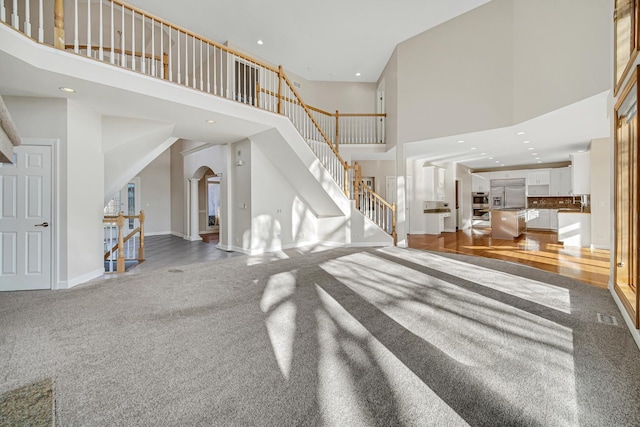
point(508, 194)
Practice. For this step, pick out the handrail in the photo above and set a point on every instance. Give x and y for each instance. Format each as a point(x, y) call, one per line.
point(119, 247)
point(200, 63)
point(373, 206)
point(195, 36)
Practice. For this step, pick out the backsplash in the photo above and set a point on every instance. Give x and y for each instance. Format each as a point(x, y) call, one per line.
point(553, 202)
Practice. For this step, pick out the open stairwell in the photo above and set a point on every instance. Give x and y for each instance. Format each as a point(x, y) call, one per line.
point(187, 76)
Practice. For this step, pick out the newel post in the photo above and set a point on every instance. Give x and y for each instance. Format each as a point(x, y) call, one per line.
point(58, 20)
point(280, 89)
point(141, 248)
point(120, 260)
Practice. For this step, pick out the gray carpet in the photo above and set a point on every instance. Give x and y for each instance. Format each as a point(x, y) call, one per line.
point(352, 337)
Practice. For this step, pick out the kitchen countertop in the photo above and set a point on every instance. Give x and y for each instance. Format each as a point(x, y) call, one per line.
point(440, 210)
point(575, 211)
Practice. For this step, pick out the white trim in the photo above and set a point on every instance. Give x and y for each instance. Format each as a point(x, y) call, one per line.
point(635, 333)
point(368, 244)
point(173, 233)
point(194, 239)
point(195, 150)
point(80, 279)
point(159, 233)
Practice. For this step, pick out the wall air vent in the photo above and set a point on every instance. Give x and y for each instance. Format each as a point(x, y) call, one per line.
point(296, 84)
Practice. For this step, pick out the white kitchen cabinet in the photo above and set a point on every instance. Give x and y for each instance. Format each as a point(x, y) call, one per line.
point(574, 229)
point(434, 182)
point(553, 219)
point(560, 182)
point(581, 173)
point(539, 219)
point(435, 222)
point(480, 182)
point(539, 177)
point(509, 174)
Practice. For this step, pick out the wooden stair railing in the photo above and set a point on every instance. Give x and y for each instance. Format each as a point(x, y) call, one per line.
point(119, 247)
point(196, 62)
point(373, 206)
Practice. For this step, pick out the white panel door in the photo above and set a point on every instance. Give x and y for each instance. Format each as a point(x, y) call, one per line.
point(25, 220)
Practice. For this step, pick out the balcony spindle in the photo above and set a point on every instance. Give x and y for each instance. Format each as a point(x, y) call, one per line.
point(40, 21)
point(89, 28)
point(143, 57)
point(101, 35)
point(113, 31)
point(15, 20)
point(27, 18)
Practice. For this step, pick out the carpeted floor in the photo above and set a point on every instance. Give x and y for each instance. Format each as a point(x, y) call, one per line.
point(341, 337)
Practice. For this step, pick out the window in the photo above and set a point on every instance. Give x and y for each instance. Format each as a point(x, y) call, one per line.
point(626, 200)
point(625, 21)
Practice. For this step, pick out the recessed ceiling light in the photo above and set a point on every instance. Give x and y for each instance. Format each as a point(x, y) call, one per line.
point(580, 151)
point(490, 158)
point(530, 148)
point(210, 121)
point(260, 42)
point(537, 158)
point(497, 161)
point(358, 74)
point(539, 161)
point(483, 154)
point(534, 154)
point(460, 142)
point(520, 133)
point(526, 142)
point(473, 148)
point(502, 164)
point(67, 89)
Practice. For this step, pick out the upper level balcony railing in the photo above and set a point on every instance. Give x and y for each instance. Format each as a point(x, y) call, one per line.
point(127, 37)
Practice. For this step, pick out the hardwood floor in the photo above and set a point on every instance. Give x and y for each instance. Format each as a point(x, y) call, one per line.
point(539, 249)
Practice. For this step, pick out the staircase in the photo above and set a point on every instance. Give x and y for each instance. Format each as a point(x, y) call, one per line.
point(156, 48)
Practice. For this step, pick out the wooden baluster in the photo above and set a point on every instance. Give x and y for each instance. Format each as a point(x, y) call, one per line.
point(393, 224)
point(120, 262)
point(58, 30)
point(280, 89)
point(141, 248)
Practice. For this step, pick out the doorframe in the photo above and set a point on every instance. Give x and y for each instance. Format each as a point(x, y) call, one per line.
point(55, 249)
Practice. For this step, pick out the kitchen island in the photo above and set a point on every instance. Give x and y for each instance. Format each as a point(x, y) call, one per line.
point(508, 223)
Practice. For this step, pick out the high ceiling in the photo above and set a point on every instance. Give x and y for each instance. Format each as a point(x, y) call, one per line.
point(329, 40)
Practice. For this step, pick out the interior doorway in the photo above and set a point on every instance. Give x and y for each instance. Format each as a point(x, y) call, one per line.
point(205, 205)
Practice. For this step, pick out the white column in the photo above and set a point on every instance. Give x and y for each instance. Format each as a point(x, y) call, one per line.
point(194, 232)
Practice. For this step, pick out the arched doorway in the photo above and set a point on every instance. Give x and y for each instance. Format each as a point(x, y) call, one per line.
point(205, 205)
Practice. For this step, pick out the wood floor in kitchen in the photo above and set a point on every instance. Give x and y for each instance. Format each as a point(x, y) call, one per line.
point(539, 249)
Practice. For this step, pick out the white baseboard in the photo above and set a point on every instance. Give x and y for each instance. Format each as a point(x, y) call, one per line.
point(158, 233)
point(194, 239)
point(369, 244)
point(180, 235)
point(606, 247)
point(80, 279)
point(635, 333)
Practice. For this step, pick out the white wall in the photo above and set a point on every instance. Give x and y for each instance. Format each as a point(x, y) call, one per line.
point(155, 189)
point(563, 53)
point(240, 196)
point(380, 170)
point(390, 77)
point(347, 97)
point(601, 192)
point(457, 77)
point(85, 204)
point(464, 175)
point(279, 217)
point(178, 189)
point(47, 118)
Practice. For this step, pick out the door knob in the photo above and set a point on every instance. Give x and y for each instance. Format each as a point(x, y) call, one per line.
point(44, 224)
